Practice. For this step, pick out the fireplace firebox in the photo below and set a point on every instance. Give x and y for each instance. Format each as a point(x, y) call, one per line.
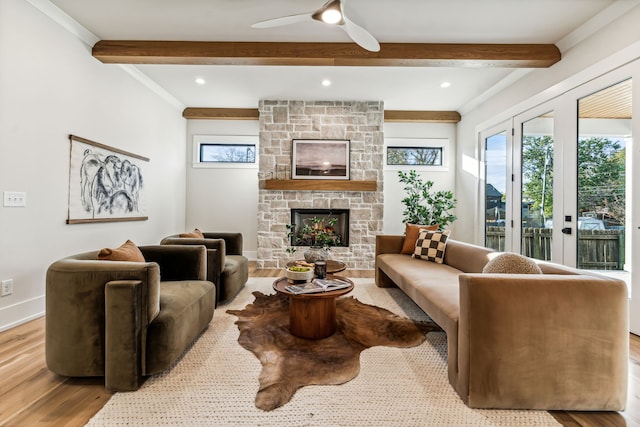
point(332, 224)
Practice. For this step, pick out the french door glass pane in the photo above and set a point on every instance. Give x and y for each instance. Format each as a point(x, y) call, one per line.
point(537, 187)
point(604, 132)
point(496, 190)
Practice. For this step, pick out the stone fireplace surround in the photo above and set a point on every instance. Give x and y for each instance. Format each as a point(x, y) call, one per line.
point(361, 122)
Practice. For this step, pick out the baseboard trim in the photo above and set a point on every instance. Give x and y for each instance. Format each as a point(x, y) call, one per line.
point(21, 312)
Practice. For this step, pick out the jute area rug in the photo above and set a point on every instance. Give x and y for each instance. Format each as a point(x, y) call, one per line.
point(216, 381)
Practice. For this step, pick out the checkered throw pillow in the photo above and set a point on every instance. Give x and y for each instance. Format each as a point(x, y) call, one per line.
point(431, 245)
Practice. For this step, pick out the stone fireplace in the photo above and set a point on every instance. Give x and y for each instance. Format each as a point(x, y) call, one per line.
point(361, 123)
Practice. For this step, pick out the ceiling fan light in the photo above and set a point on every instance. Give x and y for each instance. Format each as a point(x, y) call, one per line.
point(331, 16)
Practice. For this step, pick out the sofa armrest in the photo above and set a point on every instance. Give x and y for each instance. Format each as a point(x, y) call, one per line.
point(543, 342)
point(389, 244)
point(386, 244)
point(125, 334)
point(234, 242)
point(178, 262)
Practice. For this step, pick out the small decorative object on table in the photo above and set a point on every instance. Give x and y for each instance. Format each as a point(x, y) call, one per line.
point(299, 274)
point(320, 269)
point(316, 253)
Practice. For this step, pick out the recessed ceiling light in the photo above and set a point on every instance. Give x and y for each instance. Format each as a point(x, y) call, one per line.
point(200, 81)
point(326, 82)
point(445, 84)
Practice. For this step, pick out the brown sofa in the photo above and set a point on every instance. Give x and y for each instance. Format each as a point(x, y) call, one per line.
point(227, 268)
point(125, 320)
point(557, 340)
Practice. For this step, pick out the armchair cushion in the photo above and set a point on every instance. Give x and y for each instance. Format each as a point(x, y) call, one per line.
point(196, 234)
point(128, 251)
point(185, 307)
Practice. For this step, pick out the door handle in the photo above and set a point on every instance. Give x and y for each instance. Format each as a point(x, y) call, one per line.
point(566, 230)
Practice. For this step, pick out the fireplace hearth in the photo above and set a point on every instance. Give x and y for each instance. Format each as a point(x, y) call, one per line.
point(332, 223)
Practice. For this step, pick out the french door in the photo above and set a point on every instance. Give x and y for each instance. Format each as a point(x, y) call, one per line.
point(559, 181)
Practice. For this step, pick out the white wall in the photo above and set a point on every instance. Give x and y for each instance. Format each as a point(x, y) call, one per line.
point(51, 87)
point(443, 179)
point(223, 199)
point(612, 46)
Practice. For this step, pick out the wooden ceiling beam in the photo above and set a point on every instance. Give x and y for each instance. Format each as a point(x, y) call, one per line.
point(193, 113)
point(326, 54)
point(421, 116)
point(221, 113)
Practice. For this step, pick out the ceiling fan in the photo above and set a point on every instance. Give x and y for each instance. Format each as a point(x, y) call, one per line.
point(331, 13)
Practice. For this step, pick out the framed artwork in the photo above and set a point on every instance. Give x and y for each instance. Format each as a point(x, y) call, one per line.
point(320, 159)
point(105, 184)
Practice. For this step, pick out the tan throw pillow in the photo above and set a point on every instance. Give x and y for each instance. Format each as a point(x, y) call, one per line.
point(196, 234)
point(511, 263)
point(411, 235)
point(430, 245)
point(128, 251)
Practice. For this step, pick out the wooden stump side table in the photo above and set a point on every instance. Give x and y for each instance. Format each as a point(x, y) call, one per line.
point(312, 316)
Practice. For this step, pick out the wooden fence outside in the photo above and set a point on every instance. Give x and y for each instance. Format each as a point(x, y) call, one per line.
point(597, 249)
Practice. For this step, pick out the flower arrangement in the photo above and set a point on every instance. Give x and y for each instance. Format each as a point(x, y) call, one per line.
point(315, 232)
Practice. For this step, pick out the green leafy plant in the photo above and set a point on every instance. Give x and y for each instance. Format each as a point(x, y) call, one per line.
point(422, 206)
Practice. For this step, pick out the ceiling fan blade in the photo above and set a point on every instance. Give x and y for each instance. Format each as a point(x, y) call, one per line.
point(361, 36)
point(285, 20)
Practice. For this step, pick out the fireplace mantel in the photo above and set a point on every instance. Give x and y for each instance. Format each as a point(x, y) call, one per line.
point(319, 185)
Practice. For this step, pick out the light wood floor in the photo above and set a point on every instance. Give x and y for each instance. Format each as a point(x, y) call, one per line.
point(30, 395)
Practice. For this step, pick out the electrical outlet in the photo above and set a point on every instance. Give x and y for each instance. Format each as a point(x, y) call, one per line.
point(7, 287)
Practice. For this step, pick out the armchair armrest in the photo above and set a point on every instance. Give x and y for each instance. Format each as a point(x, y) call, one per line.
point(178, 262)
point(233, 241)
point(125, 334)
point(75, 307)
point(543, 341)
point(216, 249)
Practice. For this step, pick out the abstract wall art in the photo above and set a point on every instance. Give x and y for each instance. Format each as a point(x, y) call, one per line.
point(105, 184)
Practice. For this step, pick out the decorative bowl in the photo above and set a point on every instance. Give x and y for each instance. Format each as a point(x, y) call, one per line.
point(299, 274)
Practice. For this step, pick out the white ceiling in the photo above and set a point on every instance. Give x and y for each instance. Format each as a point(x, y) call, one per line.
point(400, 21)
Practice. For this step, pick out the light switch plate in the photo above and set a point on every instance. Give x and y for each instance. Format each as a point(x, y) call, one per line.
point(15, 198)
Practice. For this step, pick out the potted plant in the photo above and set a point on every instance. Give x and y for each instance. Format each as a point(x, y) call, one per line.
point(422, 206)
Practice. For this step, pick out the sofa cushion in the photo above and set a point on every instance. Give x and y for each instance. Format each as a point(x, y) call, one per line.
point(128, 251)
point(411, 235)
point(511, 263)
point(433, 289)
point(431, 245)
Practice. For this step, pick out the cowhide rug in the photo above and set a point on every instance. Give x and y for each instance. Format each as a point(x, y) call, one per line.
point(289, 362)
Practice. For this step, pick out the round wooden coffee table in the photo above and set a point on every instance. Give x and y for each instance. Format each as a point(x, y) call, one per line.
point(333, 266)
point(312, 316)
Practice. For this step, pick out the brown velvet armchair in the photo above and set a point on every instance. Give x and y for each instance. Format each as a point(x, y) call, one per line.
point(125, 320)
point(227, 268)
